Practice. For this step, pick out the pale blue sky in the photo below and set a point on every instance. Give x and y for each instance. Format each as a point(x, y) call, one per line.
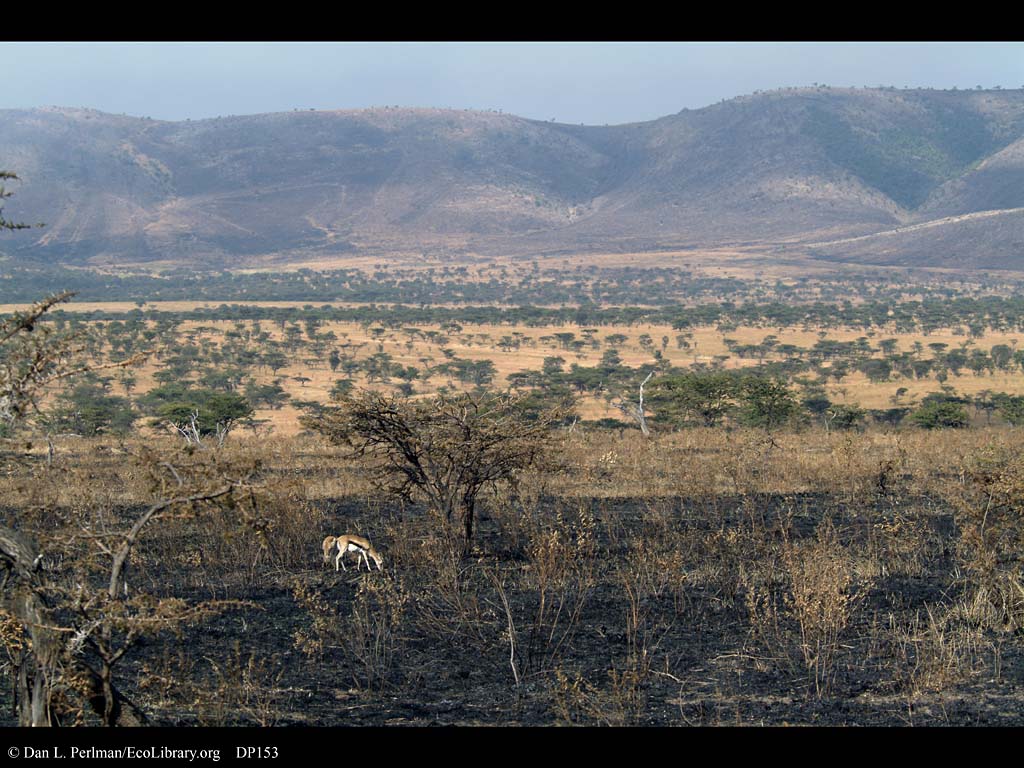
point(593, 83)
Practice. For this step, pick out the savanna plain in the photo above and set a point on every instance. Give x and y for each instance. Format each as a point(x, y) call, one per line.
point(785, 498)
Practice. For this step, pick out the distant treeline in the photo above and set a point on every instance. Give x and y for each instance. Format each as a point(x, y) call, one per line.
point(441, 285)
point(975, 316)
point(544, 283)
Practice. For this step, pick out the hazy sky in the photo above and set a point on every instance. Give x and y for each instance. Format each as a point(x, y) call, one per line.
point(593, 83)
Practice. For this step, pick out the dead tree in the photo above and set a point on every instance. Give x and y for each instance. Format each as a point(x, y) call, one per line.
point(447, 448)
point(636, 410)
point(65, 632)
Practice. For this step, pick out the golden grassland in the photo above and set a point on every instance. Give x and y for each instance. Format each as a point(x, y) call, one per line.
point(695, 462)
point(476, 265)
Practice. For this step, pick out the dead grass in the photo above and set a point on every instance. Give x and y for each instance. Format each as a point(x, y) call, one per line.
point(786, 560)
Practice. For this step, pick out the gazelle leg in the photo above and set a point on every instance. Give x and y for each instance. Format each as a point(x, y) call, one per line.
point(338, 559)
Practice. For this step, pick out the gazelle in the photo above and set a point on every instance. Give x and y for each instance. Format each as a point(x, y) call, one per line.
point(350, 543)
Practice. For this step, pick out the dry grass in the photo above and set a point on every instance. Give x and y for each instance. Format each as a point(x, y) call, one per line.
point(786, 561)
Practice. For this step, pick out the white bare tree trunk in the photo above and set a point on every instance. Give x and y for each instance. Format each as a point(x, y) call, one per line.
point(637, 411)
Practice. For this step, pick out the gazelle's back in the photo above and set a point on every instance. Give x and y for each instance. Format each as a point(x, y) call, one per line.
point(359, 541)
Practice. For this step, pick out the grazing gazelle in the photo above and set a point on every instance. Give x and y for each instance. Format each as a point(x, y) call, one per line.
point(352, 543)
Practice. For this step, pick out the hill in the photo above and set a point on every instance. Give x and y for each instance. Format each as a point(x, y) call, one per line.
point(817, 169)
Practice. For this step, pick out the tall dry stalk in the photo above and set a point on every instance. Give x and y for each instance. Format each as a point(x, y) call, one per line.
point(821, 599)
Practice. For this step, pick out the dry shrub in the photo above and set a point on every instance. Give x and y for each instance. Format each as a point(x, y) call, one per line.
point(766, 614)
point(851, 465)
point(405, 539)
point(238, 689)
point(821, 600)
point(720, 555)
point(730, 558)
point(901, 545)
point(989, 511)
point(268, 531)
point(168, 681)
point(760, 578)
point(512, 512)
point(510, 520)
point(604, 467)
point(552, 590)
point(621, 702)
point(245, 689)
point(558, 581)
point(450, 603)
point(940, 649)
point(891, 470)
point(323, 631)
point(653, 568)
point(290, 524)
point(368, 637)
point(372, 631)
point(656, 567)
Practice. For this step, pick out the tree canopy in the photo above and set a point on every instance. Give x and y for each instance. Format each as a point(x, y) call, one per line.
point(447, 448)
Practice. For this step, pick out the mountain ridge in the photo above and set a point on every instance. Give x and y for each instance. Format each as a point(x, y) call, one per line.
point(816, 168)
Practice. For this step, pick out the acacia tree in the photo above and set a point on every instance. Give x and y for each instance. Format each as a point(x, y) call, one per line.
point(204, 413)
point(448, 448)
point(66, 628)
point(705, 398)
point(767, 403)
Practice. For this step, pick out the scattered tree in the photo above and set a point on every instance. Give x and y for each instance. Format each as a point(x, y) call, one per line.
point(448, 448)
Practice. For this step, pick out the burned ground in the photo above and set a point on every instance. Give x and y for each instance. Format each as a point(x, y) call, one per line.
point(828, 606)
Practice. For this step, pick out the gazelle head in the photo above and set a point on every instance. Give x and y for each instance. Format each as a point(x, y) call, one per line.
point(328, 545)
point(376, 557)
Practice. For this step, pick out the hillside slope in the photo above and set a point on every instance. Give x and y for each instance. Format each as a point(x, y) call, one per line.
point(782, 168)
